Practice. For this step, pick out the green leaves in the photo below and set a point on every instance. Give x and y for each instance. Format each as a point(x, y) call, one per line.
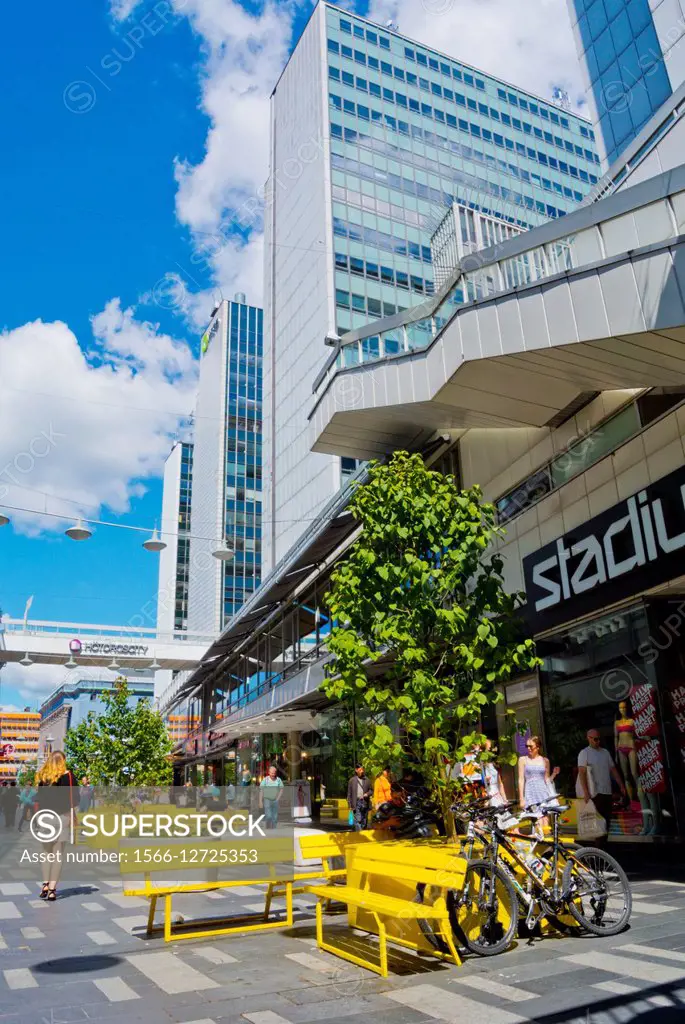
point(123, 746)
point(420, 593)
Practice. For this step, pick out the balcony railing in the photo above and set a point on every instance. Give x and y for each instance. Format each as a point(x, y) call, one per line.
point(577, 241)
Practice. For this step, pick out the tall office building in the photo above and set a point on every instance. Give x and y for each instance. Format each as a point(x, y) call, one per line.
point(172, 601)
point(373, 137)
point(632, 53)
point(225, 509)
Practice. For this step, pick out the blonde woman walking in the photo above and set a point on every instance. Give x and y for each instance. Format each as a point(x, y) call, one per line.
point(57, 776)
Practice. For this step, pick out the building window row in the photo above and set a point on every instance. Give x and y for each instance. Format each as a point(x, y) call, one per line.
point(468, 153)
point(461, 177)
point(379, 239)
point(364, 268)
point(459, 74)
point(409, 103)
point(373, 308)
point(370, 114)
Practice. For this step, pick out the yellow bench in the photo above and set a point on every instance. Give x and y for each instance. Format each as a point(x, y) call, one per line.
point(389, 862)
point(276, 851)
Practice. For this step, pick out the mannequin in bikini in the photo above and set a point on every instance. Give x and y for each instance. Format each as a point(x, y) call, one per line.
point(624, 742)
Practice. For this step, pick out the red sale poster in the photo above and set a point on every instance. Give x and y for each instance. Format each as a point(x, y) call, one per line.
point(650, 761)
point(676, 695)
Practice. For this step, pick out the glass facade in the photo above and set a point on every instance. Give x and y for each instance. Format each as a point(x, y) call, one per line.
point(608, 674)
point(183, 546)
point(617, 40)
point(243, 469)
point(412, 132)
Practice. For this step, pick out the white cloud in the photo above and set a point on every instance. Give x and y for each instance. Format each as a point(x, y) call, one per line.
point(35, 683)
point(121, 9)
point(243, 55)
point(527, 42)
point(88, 427)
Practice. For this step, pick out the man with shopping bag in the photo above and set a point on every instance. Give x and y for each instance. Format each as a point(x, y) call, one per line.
point(596, 769)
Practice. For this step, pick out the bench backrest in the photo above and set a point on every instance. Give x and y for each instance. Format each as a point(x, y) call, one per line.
point(444, 871)
point(334, 844)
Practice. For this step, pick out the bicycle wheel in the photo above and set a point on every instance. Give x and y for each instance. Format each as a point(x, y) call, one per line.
point(435, 940)
point(597, 891)
point(486, 909)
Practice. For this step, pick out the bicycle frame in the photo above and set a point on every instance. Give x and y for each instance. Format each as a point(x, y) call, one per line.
point(494, 839)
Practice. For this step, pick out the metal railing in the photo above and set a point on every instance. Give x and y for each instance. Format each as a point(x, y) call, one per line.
point(78, 629)
point(555, 248)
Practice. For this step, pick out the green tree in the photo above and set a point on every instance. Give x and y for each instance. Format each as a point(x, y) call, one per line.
point(80, 744)
point(26, 775)
point(423, 625)
point(123, 746)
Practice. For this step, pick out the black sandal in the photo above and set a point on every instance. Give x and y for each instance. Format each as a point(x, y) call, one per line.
point(43, 895)
point(52, 895)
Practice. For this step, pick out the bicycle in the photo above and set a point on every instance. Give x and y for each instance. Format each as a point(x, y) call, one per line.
point(580, 882)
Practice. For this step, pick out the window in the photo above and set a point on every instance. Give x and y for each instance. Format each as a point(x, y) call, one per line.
point(346, 26)
point(595, 445)
point(333, 47)
point(372, 38)
point(359, 31)
point(409, 53)
point(385, 43)
point(346, 51)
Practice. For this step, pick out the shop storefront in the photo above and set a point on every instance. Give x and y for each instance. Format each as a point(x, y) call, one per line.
point(605, 608)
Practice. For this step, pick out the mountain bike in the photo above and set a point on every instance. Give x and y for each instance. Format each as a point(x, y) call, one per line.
point(538, 873)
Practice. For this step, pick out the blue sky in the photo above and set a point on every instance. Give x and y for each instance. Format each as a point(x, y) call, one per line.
point(131, 131)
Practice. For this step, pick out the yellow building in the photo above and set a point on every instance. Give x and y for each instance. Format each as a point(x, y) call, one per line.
point(18, 741)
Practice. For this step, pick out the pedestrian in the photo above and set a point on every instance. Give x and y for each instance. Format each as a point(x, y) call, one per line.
point(390, 815)
point(535, 778)
point(27, 799)
point(10, 802)
point(86, 798)
point(382, 788)
point(358, 797)
point(490, 777)
point(55, 775)
point(270, 793)
point(596, 769)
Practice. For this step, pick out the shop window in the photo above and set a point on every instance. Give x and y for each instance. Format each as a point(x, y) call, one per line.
point(600, 676)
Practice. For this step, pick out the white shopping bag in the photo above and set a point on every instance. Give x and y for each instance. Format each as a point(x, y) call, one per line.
point(591, 824)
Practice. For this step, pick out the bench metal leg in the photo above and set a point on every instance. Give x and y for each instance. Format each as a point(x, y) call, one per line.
point(267, 902)
point(381, 969)
point(448, 936)
point(289, 903)
point(382, 939)
point(167, 917)
point(151, 915)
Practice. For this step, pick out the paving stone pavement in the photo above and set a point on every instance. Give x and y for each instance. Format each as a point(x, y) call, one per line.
point(85, 958)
